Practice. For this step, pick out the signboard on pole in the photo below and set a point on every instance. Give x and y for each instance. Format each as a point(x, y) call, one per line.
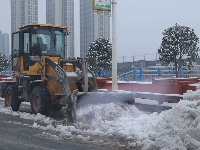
point(103, 5)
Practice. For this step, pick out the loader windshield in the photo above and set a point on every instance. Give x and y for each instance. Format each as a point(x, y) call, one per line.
point(47, 42)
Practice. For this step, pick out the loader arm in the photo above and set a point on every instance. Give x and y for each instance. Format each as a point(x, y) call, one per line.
point(71, 97)
point(82, 65)
point(61, 73)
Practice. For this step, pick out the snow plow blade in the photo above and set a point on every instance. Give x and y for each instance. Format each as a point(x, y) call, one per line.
point(94, 98)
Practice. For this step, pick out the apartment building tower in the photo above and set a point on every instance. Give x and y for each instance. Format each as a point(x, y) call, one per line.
point(86, 26)
point(4, 43)
point(61, 12)
point(23, 12)
point(101, 25)
point(92, 26)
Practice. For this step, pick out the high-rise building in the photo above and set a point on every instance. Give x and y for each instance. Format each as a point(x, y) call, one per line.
point(1, 42)
point(23, 12)
point(4, 43)
point(92, 26)
point(61, 12)
point(6, 51)
point(86, 26)
point(101, 25)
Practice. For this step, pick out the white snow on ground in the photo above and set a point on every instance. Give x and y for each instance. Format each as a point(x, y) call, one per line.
point(25, 115)
point(177, 128)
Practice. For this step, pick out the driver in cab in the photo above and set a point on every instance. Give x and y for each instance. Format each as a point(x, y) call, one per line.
point(39, 47)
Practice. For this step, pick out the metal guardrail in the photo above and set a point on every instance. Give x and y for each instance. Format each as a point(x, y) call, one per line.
point(6, 73)
point(159, 97)
point(148, 75)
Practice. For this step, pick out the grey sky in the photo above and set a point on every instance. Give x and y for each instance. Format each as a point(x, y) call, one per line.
point(140, 23)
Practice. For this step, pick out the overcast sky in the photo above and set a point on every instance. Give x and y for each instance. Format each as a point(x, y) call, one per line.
point(140, 23)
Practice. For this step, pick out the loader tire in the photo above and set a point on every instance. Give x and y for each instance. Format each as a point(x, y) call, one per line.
point(40, 100)
point(11, 98)
point(56, 107)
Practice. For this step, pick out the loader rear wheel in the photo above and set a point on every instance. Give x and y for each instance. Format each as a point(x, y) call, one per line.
point(11, 98)
point(40, 100)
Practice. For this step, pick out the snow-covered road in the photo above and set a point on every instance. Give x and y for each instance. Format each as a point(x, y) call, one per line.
point(125, 127)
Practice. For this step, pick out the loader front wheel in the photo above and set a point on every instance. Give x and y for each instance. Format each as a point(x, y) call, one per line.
point(56, 107)
point(11, 98)
point(40, 100)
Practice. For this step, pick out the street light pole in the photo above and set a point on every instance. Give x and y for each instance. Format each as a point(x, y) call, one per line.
point(114, 47)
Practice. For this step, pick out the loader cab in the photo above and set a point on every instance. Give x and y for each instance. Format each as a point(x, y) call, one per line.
point(27, 45)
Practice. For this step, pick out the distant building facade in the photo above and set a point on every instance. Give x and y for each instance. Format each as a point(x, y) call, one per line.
point(23, 12)
point(92, 26)
point(101, 25)
point(86, 26)
point(4, 43)
point(61, 12)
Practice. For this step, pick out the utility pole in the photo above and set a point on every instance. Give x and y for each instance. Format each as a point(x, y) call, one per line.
point(114, 47)
point(123, 58)
point(133, 57)
point(157, 54)
point(144, 56)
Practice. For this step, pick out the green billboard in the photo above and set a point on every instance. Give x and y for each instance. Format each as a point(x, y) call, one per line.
point(104, 5)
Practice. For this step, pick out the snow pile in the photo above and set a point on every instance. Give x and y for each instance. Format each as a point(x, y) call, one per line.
point(173, 129)
point(192, 95)
point(24, 115)
point(124, 125)
point(154, 131)
point(173, 126)
point(197, 86)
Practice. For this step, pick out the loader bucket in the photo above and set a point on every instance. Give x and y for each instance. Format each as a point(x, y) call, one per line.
point(94, 98)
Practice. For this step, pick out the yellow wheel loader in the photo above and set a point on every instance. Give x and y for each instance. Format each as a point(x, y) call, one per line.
point(45, 78)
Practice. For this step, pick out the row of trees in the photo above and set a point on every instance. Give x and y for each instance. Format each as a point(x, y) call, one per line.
point(179, 46)
point(4, 62)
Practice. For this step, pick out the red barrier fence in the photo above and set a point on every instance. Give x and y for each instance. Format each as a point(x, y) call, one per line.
point(162, 85)
point(5, 78)
point(157, 86)
point(160, 89)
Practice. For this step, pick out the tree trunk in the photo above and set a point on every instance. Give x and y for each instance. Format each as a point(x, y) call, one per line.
point(176, 68)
